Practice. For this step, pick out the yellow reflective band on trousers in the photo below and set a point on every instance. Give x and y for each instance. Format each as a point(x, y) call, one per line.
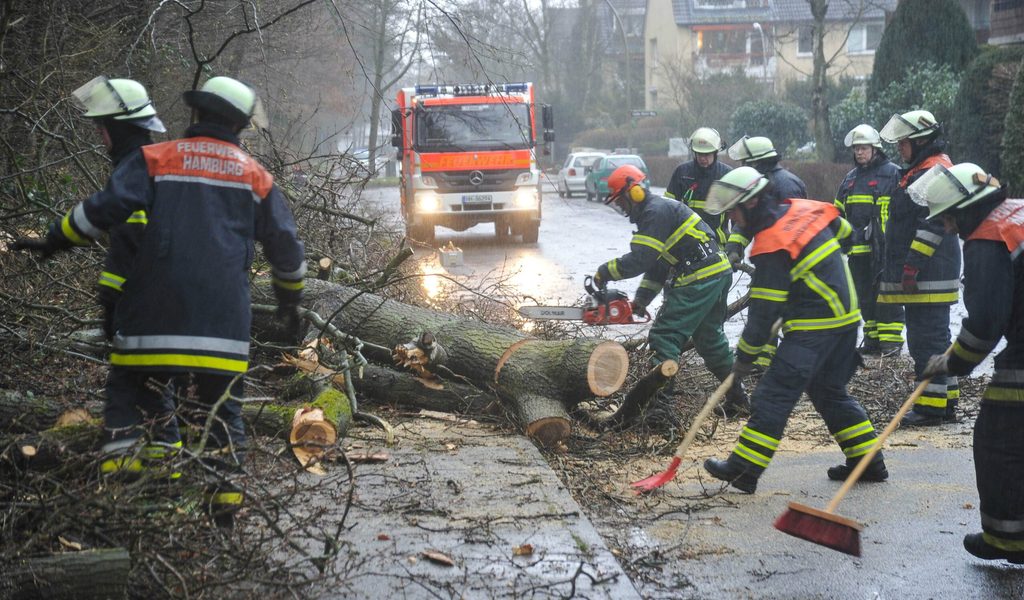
point(751, 456)
point(853, 431)
point(952, 389)
point(288, 285)
point(111, 280)
point(227, 498)
point(179, 360)
point(860, 449)
point(759, 438)
point(934, 395)
point(890, 332)
point(127, 464)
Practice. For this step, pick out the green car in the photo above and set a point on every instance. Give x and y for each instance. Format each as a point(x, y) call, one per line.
point(596, 183)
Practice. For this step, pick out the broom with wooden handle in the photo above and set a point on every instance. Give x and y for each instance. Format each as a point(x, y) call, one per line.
point(659, 479)
point(825, 527)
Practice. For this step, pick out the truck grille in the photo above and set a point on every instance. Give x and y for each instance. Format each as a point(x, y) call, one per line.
point(458, 181)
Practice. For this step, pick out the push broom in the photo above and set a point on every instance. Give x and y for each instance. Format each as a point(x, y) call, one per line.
point(825, 527)
point(659, 479)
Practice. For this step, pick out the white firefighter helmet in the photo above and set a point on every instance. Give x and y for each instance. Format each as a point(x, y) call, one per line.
point(119, 99)
point(863, 134)
point(229, 98)
point(705, 140)
point(941, 189)
point(737, 186)
point(751, 149)
point(910, 125)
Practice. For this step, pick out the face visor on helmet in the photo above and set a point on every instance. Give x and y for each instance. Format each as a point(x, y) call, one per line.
point(940, 189)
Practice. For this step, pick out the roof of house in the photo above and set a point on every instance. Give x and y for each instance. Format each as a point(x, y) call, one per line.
point(687, 12)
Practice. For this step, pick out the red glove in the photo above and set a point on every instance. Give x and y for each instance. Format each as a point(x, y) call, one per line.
point(910, 278)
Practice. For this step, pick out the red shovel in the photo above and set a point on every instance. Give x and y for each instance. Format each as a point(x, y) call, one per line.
point(659, 479)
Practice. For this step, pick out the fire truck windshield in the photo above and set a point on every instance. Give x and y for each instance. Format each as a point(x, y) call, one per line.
point(463, 127)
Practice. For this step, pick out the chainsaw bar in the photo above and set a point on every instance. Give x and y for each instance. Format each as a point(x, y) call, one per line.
point(552, 313)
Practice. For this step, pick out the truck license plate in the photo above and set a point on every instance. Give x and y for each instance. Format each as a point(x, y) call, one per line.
point(477, 199)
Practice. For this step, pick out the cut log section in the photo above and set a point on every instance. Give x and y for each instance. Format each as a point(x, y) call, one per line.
point(99, 574)
point(542, 380)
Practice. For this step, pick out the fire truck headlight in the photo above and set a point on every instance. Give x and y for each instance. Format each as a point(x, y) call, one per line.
point(526, 198)
point(427, 201)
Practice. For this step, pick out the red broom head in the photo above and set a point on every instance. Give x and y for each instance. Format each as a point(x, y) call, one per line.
point(658, 479)
point(820, 527)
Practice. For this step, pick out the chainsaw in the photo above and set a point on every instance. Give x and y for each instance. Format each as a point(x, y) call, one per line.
point(603, 307)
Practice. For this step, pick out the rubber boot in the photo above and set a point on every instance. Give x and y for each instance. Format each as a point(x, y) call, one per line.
point(739, 478)
point(916, 419)
point(736, 403)
point(975, 544)
point(890, 348)
point(876, 471)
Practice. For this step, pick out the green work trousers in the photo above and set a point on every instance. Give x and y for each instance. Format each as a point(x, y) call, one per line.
point(696, 311)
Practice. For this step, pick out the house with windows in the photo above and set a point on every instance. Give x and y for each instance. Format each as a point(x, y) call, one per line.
point(771, 40)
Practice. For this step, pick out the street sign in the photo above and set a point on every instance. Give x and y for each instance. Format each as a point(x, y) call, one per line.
point(644, 113)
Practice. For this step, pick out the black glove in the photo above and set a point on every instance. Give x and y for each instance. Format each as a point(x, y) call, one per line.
point(741, 369)
point(599, 281)
point(639, 310)
point(288, 318)
point(43, 246)
point(938, 365)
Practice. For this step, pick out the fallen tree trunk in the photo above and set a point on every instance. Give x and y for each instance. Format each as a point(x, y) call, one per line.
point(87, 574)
point(542, 380)
point(396, 388)
point(54, 446)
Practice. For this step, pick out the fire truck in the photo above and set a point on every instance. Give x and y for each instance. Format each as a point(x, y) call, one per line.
point(469, 156)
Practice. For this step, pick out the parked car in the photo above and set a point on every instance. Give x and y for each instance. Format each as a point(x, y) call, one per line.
point(596, 183)
point(572, 175)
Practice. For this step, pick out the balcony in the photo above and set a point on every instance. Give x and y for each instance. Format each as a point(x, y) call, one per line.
point(751, 65)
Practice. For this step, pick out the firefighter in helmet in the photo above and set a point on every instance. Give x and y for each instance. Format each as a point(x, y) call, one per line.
point(863, 199)
point(690, 181)
point(922, 264)
point(186, 307)
point(801, 277)
point(759, 152)
point(971, 203)
point(677, 252)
